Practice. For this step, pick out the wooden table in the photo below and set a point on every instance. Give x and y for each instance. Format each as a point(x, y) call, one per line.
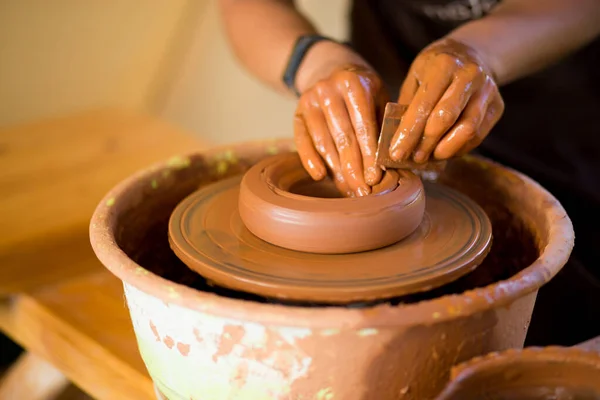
point(56, 299)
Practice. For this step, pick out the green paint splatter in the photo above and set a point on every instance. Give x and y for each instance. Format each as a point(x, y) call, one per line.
point(154, 184)
point(141, 271)
point(272, 150)
point(330, 332)
point(222, 167)
point(368, 332)
point(179, 162)
point(229, 155)
point(325, 394)
point(110, 202)
point(172, 292)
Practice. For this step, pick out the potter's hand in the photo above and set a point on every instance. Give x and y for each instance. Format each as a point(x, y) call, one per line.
point(453, 103)
point(336, 127)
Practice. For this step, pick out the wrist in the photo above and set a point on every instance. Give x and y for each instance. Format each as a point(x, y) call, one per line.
point(322, 60)
point(477, 50)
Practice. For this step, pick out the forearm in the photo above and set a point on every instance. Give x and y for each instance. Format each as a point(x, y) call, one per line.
point(263, 33)
point(520, 37)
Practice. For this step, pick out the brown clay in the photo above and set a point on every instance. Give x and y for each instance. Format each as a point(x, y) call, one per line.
point(326, 226)
point(387, 351)
point(388, 183)
point(208, 233)
point(535, 373)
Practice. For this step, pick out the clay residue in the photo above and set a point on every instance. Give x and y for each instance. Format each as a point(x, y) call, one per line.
point(169, 342)
point(276, 352)
point(241, 373)
point(184, 349)
point(232, 335)
point(197, 335)
point(154, 331)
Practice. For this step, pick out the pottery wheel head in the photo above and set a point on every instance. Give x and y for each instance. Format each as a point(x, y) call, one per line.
point(451, 238)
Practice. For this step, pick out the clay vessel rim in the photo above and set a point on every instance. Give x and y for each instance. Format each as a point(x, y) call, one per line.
point(527, 356)
point(102, 234)
point(357, 200)
point(270, 190)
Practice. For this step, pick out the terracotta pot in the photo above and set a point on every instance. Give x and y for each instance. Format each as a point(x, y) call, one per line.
point(203, 342)
point(534, 373)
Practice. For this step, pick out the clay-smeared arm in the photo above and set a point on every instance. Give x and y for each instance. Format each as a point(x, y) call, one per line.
point(520, 37)
point(336, 121)
point(452, 87)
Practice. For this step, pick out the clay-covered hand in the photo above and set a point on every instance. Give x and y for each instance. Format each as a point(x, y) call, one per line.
point(453, 103)
point(336, 127)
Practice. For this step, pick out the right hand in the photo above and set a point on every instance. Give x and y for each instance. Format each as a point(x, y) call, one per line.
point(336, 127)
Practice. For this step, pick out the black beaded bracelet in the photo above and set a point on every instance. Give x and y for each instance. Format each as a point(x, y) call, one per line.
point(301, 47)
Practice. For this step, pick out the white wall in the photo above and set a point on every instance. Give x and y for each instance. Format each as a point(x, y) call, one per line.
point(214, 96)
point(167, 57)
point(61, 56)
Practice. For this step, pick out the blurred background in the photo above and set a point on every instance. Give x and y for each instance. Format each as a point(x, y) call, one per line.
point(166, 58)
point(169, 59)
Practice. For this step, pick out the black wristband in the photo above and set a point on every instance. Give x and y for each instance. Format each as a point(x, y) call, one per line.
point(301, 47)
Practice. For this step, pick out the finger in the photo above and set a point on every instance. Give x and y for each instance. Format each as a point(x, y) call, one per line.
point(342, 132)
point(381, 101)
point(492, 116)
point(322, 140)
point(360, 103)
point(409, 88)
point(343, 188)
point(447, 111)
point(409, 133)
point(467, 126)
point(312, 162)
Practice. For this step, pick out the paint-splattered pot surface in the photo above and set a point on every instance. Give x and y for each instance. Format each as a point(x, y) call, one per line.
point(450, 237)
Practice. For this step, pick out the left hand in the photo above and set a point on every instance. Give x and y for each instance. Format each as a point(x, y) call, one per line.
point(453, 103)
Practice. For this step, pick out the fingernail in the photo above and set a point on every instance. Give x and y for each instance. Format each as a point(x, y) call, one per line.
point(317, 171)
point(363, 191)
point(420, 156)
point(397, 155)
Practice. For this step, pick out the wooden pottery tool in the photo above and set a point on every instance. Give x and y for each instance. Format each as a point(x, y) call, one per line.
point(391, 121)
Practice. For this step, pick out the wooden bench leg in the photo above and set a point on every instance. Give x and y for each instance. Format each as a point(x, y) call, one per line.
point(32, 378)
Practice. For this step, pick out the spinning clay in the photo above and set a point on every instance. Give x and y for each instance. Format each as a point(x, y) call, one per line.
point(276, 233)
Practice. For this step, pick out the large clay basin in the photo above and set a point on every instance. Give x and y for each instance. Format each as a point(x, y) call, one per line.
point(552, 373)
point(203, 342)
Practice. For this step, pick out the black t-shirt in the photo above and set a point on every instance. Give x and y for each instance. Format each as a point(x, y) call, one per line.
point(550, 131)
point(551, 126)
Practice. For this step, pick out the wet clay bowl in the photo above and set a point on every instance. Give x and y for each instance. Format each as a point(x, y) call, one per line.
point(200, 342)
point(276, 205)
point(553, 373)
